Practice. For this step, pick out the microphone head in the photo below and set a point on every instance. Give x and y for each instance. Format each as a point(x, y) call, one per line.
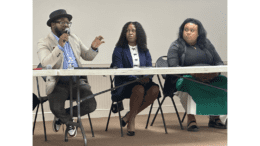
point(67, 30)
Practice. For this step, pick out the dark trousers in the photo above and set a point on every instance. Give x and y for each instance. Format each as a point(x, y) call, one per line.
point(61, 93)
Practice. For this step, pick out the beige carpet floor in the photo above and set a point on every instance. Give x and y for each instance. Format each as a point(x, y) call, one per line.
point(152, 136)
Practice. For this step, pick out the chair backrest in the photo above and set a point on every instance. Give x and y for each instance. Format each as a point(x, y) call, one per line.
point(120, 103)
point(111, 65)
point(162, 62)
point(37, 82)
point(40, 66)
point(111, 78)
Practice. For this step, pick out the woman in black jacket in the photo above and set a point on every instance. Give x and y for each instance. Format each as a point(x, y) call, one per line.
point(131, 51)
point(192, 48)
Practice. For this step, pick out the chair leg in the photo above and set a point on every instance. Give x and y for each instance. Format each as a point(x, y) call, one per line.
point(91, 125)
point(183, 117)
point(149, 116)
point(120, 120)
point(43, 119)
point(66, 133)
point(157, 112)
point(35, 118)
point(161, 102)
point(109, 116)
point(177, 113)
point(162, 116)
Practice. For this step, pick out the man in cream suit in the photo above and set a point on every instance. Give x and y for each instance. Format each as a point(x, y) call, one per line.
point(61, 50)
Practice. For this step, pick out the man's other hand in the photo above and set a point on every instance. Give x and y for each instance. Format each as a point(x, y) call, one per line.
point(97, 42)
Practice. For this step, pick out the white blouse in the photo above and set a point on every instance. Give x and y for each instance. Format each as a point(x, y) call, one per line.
point(135, 55)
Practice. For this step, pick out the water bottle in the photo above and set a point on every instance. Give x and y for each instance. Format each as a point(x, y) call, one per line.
point(48, 66)
point(71, 66)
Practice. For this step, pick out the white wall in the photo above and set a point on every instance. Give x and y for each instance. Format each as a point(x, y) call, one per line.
point(161, 20)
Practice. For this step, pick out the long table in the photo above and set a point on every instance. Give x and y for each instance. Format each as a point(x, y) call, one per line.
point(125, 71)
point(131, 71)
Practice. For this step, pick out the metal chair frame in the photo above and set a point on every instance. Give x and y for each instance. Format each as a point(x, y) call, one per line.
point(43, 99)
point(164, 96)
point(120, 120)
point(112, 86)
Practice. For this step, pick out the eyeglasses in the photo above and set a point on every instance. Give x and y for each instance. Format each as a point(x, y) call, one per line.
point(133, 30)
point(63, 23)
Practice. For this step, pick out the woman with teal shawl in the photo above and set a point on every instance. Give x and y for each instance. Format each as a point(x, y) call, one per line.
point(192, 48)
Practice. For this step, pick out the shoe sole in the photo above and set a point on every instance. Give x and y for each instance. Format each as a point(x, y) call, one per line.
point(193, 129)
point(215, 126)
point(131, 133)
point(74, 135)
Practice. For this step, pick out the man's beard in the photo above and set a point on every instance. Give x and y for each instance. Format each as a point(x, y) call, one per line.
point(58, 32)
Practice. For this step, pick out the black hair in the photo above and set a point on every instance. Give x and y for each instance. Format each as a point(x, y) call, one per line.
point(201, 40)
point(140, 36)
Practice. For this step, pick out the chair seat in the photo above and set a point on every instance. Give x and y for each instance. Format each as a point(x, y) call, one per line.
point(44, 99)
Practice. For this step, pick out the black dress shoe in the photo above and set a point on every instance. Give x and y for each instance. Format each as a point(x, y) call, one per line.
point(123, 123)
point(216, 124)
point(130, 133)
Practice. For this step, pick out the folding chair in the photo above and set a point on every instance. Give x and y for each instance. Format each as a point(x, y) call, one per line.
point(162, 62)
point(119, 107)
point(42, 100)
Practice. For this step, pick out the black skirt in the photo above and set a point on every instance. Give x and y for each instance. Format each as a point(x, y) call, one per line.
point(127, 91)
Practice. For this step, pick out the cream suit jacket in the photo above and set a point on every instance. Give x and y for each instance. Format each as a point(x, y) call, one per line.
point(50, 54)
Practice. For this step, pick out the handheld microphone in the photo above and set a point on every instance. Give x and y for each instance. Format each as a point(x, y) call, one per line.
point(67, 30)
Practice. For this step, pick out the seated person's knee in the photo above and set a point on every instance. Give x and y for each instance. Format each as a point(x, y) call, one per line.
point(93, 105)
point(154, 90)
point(138, 89)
